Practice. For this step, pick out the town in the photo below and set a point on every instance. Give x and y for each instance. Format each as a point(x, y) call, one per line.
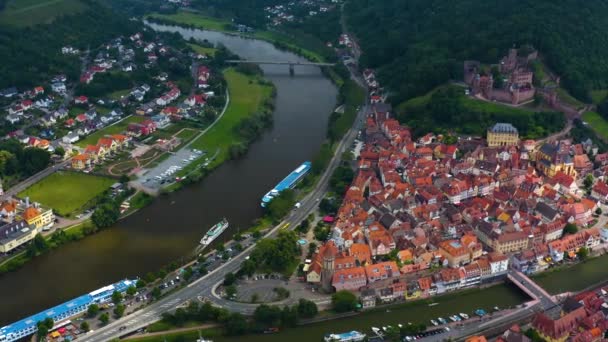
point(95, 139)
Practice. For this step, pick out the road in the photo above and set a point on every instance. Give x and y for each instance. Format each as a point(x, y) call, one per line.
point(203, 286)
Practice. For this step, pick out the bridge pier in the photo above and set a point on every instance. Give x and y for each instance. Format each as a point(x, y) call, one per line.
point(292, 70)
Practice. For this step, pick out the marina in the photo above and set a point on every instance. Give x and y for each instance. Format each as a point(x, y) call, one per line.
point(287, 183)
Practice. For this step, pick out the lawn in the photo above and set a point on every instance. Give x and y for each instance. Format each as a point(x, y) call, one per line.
point(187, 134)
point(203, 50)
point(599, 95)
point(116, 128)
point(117, 95)
point(194, 19)
point(569, 99)
point(23, 13)
point(597, 123)
point(67, 192)
point(245, 99)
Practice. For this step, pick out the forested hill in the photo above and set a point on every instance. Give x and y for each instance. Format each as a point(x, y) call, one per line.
point(30, 50)
point(419, 44)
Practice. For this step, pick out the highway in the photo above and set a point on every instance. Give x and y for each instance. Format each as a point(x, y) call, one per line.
point(203, 286)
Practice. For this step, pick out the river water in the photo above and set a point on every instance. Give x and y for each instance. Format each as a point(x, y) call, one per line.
point(171, 227)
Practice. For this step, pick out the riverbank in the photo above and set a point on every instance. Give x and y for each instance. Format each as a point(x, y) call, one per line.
point(192, 19)
point(250, 94)
point(416, 312)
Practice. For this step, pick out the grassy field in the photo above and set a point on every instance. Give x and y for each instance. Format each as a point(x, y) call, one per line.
point(245, 99)
point(23, 13)
point(203, 50)
point(597, 123)
point(113, 129)
point(567, 98)
point(194, 19)
point(599, 95)
point(117, 95)
point(67, 192)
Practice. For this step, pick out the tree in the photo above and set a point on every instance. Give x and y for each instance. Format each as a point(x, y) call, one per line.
point(119, 310)
point(34, 160)
point(84, 326)
point(598, 211)
point(236, 324)
point(583, 253)
point(307, 308)
point(229, 279)
point(588, 182)
point(343, 301)
point(104, 318)
point(156, 293)
point(231, 291)
point(124, 179)
point(570, 228)
point(92, 310)
point(280, 205)
point(59, 151)
point(140, 283)
point(38, 246)
point(266, 316)
point(116, 297)
point(43, 328)
point(131, 291)
point(106, 215)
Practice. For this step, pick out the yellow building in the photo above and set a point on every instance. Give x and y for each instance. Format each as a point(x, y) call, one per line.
point(552, 158)
point(38, 218)
point(15, 234)
point(502, 134)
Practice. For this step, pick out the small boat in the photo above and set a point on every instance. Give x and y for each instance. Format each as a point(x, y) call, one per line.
point(496, 308)
point(352, 336)
point(480, 312)
point(452, 318)
point(434, 322)
point(442, 320)
point(433, 304)
point(377, 331)
point(464, 315)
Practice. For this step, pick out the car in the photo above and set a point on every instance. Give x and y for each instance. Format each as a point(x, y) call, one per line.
point(122, 328)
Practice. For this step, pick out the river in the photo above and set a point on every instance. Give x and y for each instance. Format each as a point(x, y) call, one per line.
point(170, 228)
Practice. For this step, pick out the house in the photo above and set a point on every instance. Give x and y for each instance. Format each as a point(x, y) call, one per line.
point(161, 120)
point(38, 90)
point(351, 279)
point(81, 161)
point(81, 100)
point(70, 138)
point(58, 87)
point(81, 118)
point(600, 191)
point(15, 234)
point(13, 119)
point(39, 218)
point(381, 271)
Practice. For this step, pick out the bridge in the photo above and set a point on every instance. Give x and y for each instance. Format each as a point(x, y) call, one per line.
point(291, 64)
point(532, 289)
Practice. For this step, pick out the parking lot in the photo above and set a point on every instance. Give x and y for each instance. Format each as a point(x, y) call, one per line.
point(164, 173)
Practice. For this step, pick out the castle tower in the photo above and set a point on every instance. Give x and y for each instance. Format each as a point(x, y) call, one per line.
point(329, 256)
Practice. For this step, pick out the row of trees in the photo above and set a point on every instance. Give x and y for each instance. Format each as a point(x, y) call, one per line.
point(418, 45)
point(15, 160)
point(264, 317)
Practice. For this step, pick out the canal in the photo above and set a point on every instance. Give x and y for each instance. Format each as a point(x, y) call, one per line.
point(171, 227)
point(503, 296)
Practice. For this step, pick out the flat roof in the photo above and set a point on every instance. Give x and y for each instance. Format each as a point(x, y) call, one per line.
point(60, 309)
